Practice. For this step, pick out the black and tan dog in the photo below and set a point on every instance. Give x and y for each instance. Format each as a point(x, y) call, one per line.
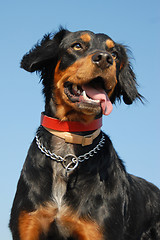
point(73, 184)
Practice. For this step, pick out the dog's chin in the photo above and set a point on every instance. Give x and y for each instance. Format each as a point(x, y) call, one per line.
point(89, 108)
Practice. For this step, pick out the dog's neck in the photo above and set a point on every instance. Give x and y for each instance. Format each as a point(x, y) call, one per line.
point(69, 126)
point(67, 129)
point(82, 144)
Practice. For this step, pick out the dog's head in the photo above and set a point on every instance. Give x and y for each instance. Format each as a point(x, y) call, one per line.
point(83, 74)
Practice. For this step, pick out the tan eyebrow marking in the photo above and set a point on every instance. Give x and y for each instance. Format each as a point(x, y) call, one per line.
point(110, 43)
point(85, 37)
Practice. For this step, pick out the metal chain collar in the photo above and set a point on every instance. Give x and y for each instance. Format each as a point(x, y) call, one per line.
point(70, 161)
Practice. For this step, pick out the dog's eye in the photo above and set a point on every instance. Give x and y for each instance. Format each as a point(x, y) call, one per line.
point(77, 46)
point(115, 55)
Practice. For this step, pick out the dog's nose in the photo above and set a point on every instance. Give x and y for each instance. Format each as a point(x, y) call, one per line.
point(102, 59)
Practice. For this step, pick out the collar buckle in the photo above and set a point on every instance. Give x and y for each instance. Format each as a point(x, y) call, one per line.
point(87, 140)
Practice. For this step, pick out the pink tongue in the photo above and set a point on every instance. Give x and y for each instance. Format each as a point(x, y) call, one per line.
point(99, 94)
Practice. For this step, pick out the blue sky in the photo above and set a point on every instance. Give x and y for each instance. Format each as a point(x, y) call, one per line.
point(133, 129)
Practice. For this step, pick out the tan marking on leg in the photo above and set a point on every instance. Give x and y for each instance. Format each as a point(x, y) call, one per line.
point(33, 224)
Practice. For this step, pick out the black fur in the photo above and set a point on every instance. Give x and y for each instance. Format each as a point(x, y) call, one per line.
point(124, 206)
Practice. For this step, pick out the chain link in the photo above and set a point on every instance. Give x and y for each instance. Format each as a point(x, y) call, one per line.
point(81, 158)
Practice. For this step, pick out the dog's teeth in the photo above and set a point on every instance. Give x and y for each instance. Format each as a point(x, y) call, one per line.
point(85, 96)
point(75, 88)
point(96, 101)
point(89, 99)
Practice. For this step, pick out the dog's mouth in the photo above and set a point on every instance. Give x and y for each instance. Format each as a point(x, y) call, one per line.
point(93, 94)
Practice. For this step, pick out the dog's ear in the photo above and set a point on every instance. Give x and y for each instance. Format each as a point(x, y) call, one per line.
point(43, 52)
point(127, 85)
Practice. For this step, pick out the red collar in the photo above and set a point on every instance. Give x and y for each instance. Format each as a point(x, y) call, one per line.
point(69, 126)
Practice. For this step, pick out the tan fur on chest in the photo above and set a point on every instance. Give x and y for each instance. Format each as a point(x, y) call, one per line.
point(68, 222)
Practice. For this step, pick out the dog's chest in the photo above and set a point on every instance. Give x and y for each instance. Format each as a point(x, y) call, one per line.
point(59, 182)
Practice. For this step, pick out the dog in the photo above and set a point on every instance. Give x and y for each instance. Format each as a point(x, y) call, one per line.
point(73, 185)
